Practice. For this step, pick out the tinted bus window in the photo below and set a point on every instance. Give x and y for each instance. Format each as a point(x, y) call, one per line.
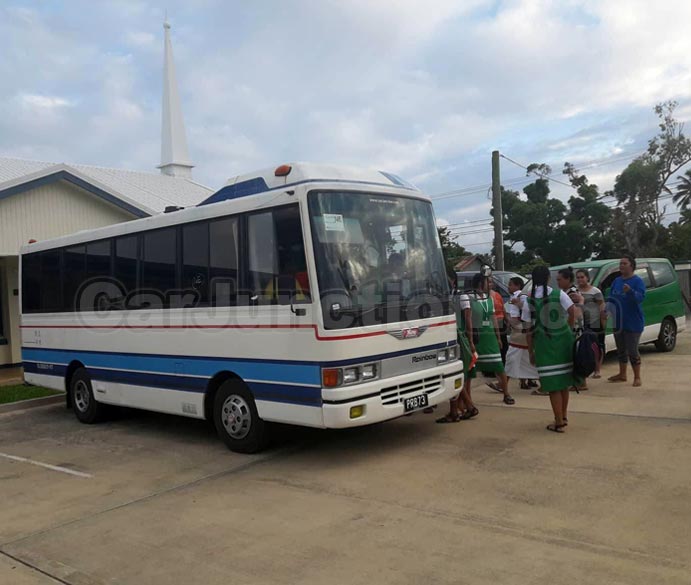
point(31, 281)
point(159, 261)
point(98, 259)
point(223, 261)
point(125, 263)
point(51, 299)
point(195, 260)
point(74, 266)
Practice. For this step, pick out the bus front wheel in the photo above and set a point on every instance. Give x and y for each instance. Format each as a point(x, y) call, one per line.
point(84, 404)
point(236, 419)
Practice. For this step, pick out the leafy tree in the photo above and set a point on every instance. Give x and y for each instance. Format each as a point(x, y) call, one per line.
point(596, 217)
point(641, 185)
point(527, 268)
point(683, 195)
point(677, 244)
point(453, 251)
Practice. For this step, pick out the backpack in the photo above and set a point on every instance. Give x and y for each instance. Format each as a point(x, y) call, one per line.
point(586, 354)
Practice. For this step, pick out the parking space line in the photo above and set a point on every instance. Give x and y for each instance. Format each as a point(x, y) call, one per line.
point(46, 465)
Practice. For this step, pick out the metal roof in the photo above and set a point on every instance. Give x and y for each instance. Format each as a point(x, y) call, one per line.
point(147, 192)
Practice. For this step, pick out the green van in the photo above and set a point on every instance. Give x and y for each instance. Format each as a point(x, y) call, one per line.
point(663, 306)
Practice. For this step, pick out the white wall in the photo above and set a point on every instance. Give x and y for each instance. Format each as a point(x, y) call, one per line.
point(50, 211)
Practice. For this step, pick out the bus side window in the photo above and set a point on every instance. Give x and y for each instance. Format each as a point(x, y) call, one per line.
point(277, 268)
point(223, 261)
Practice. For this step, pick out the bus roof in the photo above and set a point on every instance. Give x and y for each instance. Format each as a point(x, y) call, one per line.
point(298, 173)
point(268, 188)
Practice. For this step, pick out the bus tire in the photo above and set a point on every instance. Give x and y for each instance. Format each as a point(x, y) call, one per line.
point(85, 406)
point(236, 418)
point(667, 338)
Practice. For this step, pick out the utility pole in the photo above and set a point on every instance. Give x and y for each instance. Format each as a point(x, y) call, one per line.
point(498, 216)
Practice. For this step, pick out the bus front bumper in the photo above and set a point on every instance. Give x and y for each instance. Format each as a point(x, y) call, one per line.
point(384, 399)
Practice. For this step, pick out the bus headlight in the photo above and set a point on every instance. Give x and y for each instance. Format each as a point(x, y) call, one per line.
point(351, 375)
point(448, 354)
point(369, 371)
point(334, 377)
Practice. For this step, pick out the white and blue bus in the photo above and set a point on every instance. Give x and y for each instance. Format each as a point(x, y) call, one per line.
point(307, 294)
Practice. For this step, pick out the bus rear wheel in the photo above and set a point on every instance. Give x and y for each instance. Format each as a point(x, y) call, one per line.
point(236, 418)
point(85, 406)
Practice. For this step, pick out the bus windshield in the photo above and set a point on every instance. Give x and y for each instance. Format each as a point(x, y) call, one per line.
point(378, 259)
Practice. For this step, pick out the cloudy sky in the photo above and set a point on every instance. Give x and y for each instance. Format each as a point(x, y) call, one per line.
point(423, 89)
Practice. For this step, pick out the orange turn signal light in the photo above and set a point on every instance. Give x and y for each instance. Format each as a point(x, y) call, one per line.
point(331, 378)
point(283, 171)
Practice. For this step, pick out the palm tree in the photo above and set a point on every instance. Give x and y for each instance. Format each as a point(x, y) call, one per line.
point(683, 195)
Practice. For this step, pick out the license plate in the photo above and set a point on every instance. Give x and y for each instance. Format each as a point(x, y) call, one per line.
point(415, 402)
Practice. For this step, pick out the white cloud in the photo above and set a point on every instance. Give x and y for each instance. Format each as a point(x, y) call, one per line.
point(43, 102)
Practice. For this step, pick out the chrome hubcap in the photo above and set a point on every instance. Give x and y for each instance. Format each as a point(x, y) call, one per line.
point(236, 416)
point(81, 396)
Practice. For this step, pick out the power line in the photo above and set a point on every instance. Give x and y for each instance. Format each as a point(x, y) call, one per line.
point(468, 223)
point(544, 176)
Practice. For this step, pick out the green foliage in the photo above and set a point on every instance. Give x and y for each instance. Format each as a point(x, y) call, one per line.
point(682, 197)
point(527, 268)
point(453, 251)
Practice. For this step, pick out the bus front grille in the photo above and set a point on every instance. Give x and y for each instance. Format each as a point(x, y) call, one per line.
point(396, 394)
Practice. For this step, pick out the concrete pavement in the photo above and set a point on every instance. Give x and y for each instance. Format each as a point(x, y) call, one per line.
point(494, 500)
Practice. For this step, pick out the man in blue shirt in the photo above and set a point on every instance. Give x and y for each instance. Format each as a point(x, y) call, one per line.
point(624, 305)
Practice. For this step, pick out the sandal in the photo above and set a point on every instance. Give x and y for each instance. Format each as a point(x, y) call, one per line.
point(616, 378)
point(539, 392)
point(596, 376)
point(565, 421)
point(524, 385)
point(448, 418)
point(493, 386)
point(533, 383)
point(555, 428)
point(468, 414)
point(509, 400)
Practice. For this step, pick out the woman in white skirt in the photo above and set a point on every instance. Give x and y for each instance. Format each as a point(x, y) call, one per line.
point(518, 359)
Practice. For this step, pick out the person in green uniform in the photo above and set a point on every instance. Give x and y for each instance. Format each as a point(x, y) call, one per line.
point(487, 335)
point(462, 407)
point(550, 315)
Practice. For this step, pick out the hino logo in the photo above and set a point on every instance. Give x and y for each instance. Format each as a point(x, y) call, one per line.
point(424, 357)
point(408, 333)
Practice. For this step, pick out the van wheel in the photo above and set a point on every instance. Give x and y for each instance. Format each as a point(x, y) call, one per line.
point(236, 419)
point(667, 339)
point(85, 406)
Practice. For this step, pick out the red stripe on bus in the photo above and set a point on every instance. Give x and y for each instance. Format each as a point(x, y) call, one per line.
point(301, 326)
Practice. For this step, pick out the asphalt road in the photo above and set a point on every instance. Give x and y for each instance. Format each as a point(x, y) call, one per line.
point(154, 499)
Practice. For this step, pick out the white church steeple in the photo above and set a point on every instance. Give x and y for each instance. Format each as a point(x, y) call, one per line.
point(175, 159)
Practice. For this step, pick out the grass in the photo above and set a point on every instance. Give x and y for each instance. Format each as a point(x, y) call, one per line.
point(17, 392)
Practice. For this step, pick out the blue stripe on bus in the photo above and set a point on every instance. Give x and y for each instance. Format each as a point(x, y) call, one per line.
point(272, 392)
point(67, 355)
point(265, 371)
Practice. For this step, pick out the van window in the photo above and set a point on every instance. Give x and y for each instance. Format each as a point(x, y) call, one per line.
point(662, 273)
point(642, 271)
